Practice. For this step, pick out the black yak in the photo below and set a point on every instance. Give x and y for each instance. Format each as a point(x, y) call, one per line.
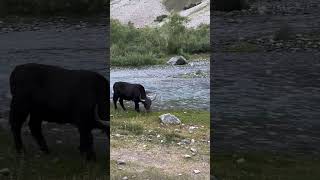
point(54, 94)
point(130, 92)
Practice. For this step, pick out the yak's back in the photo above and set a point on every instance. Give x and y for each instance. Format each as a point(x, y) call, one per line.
point(53, 80)
point(124, 87)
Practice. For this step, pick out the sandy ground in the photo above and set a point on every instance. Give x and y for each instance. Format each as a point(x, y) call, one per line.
point(143, 12)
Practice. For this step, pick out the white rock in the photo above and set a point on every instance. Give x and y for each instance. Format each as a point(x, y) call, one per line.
point(125, 178)
point(169, 119)
point(193, 150)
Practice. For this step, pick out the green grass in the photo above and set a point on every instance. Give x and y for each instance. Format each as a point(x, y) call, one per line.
point(150, 173)
point(242, 47)
point(147, 125)
point(132, 46)
point(54, 166)
point(265, 166)
point(50, 7)
point(142, 133)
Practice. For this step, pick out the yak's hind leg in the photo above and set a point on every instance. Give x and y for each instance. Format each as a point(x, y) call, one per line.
point(86, 143)
point(19, 111)
point(36, 131)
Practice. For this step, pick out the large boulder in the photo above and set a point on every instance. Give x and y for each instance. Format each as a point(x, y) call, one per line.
point(230, 5)
point(169, 119)
point(177, 60)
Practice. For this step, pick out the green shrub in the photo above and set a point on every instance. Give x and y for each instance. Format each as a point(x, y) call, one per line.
point(131, 46)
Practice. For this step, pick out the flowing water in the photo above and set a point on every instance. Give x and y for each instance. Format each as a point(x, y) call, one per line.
point(175, 86)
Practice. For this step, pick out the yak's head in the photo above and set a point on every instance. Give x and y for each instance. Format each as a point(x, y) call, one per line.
point(147, 103)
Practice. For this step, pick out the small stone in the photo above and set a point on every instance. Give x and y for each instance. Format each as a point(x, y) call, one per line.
point(193, 150)
point(241, 160)
point(192, 141)
point(117, 135)
point(125, 178)
point(121, 162)
point(186, 156)
point(196, 171)
point(185, 141)
point(179, 174)
point(177, 60)
point(58, 142)
point(5, 171)
point(158, 136)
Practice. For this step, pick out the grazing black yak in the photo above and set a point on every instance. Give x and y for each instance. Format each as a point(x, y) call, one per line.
point(130, 92)
point(53, 94)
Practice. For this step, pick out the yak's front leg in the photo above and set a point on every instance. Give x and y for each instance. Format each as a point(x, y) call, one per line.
point(136, 106)
point(121, 103)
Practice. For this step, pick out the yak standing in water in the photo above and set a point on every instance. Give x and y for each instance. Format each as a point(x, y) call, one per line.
point(53, 94)
point(130, 92)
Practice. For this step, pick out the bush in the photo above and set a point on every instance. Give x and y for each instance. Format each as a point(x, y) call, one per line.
point(131, 46)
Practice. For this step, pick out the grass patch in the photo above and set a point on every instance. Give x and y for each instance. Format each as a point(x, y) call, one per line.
point(149, 173)
point(265, 166)
point(242, 47)
point(147, 126)
point(132, 46)
point(50, 167)
point(50, 7)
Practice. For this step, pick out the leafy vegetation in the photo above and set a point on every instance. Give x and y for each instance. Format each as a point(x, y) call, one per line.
point(132, 46)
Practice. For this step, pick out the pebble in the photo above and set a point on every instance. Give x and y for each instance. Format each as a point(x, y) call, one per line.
point(193, 150)
point(5, 171)
point(241, 160)
point(196, 171)
point(125, 178)
point(186, 156)
point(121, 162)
